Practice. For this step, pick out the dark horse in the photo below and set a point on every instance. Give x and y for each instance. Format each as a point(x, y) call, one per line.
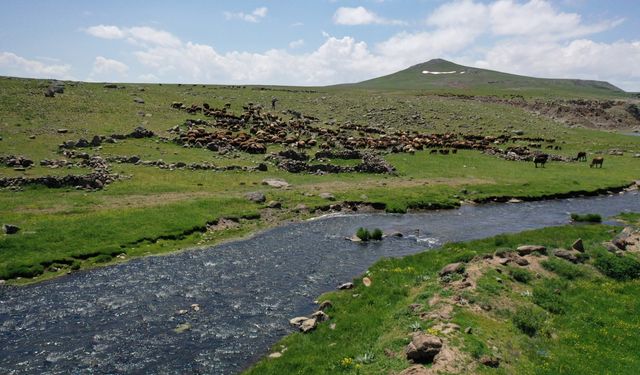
point(597, 161)
point(582, 156)
point(540, 159)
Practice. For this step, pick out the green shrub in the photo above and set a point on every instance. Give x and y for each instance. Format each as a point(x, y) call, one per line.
point(376, 234)
point(529, 320)
point(562, 268)
point(24, 271)
point(521, 275)
point(619, 268)
point(465, 257)
point(363, 234)
point(103, 258)
point(586, 218)
point(549, 295)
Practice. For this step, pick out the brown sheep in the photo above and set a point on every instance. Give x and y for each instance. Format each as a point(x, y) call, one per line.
point(597, 161)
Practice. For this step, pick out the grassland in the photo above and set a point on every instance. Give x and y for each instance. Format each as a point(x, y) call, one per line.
point(154, 210)
point(548, 317)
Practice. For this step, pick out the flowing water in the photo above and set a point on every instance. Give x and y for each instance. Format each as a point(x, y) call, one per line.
point(123, 318)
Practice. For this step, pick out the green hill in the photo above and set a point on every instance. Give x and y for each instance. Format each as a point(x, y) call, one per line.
point(442, 75)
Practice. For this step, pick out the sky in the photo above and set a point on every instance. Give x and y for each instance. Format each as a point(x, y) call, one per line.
point(316, 42)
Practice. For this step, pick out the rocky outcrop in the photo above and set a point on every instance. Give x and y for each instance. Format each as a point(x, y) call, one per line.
point(423, 348)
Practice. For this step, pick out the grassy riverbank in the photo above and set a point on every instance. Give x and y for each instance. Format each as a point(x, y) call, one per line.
point(550, 316)
point(151, 210)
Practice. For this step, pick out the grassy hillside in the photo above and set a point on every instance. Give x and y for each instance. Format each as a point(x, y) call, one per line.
point(150, 209)
point(464, 79)
point(548, 316)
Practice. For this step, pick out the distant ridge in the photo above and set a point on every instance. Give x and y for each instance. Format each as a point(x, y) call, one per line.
point(439, 74)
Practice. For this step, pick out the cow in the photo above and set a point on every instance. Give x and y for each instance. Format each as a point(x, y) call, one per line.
point(597, 161)
point(582, 156)
point(540, 159)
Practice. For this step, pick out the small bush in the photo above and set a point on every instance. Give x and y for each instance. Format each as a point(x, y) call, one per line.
point(619, 268)
point(548, 295)
point(363, 234)
point(376, 234)
point(563, 268)
point(24, 271)
point(103, 258)
point(586, 218)
point(521, 275)
point(528, 320)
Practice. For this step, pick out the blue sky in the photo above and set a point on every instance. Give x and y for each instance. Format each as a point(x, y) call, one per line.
point(316, 42)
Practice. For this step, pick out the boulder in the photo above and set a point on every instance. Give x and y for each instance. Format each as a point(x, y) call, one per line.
point(82, 143)
point(327, 196)
point(10, 228)
point(345, 286)
point(566, 255)
point(256, 196)
point(274, 204)
point(610, 247)
point(452, 268)
point(423, 348)
point(578, 245)
point(528, 249)
point(275, 182)
point(301, 207)
point(63, 131)
point(520, 261)
point(96, 141)
point(138, 100)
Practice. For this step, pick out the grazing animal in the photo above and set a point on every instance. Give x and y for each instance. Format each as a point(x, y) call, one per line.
point(582, 156)
point(597, 161)
point(540, 159)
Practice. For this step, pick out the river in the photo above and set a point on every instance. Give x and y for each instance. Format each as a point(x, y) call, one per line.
point(122, 318)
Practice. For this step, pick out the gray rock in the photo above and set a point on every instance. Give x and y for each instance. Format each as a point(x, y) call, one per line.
point(327, 196)
point(320, 316)
point(256, 196)
point(578, 245)
point(274, 204)
point(528, 249)
point(276, 183)
point(345, 286)
point(452, 268)
point(10, 228)
point(566, 255)
point(139, 100)
point(520, 261)
point(423, 348)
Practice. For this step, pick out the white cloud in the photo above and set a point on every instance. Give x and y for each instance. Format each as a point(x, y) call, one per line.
point(465, 31)
point(104, 67)
point(135, 35)
point(580, 58)
point(255, 16)
point(296, 43)
point(106, 32)
point(360, 16)
point(14, 65)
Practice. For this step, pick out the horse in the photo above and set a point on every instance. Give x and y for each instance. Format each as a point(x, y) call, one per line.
point(582, 156)
point(540, 159)
point(597, 161)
